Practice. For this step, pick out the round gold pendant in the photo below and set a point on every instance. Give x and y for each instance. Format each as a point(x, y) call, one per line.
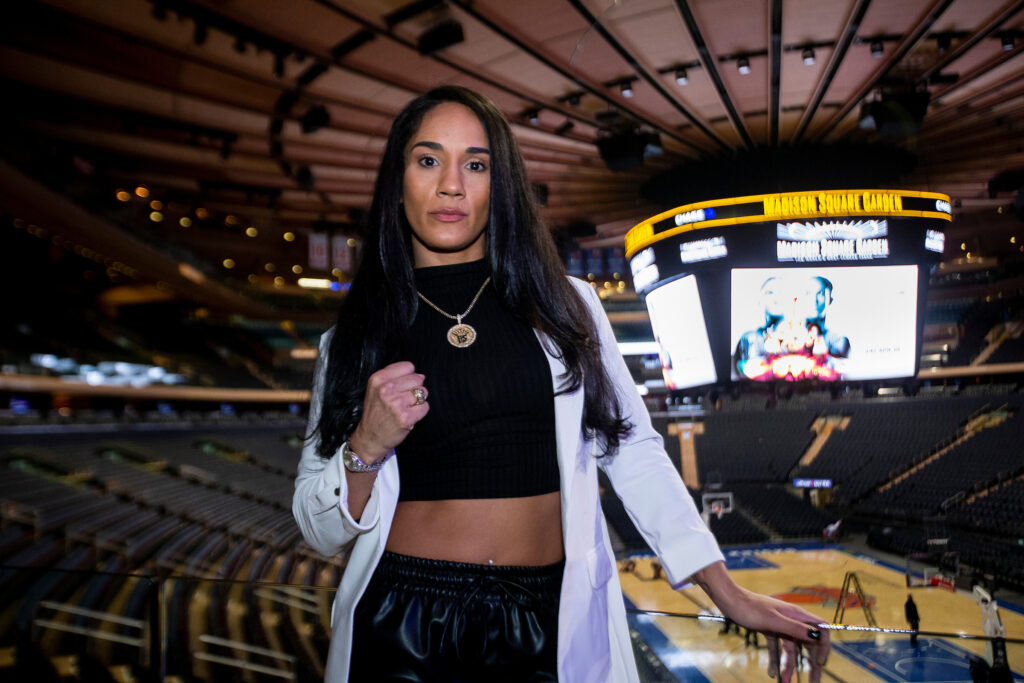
point(461, 335)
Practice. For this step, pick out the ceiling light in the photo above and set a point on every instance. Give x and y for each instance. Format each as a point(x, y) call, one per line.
point(251, 231)
point(156, 205)
point(228, 263)
point(296, 269)
point(269, 267)
point(314, 283)
point(156, 216)
point(808, 56)
point(202, 214)
point(123, 196)
point(681, 78)
point(627, 89)
point(185, 222)
point(743, 65)
point(289, 237)
point(142, 191)
point(877, 49)
point(279, 281)
point(1007, 42)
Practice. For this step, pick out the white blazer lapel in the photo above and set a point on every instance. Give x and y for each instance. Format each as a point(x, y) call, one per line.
point(568, 416)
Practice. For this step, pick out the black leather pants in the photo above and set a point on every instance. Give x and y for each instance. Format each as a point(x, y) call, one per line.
point(431, 620)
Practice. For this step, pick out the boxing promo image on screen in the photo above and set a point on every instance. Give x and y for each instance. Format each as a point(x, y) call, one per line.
point(851, 323)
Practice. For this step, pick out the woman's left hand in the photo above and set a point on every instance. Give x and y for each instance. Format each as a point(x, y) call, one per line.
point(787, 627)
point(788, 630)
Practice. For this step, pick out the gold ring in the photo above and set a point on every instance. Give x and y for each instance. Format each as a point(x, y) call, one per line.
point(420, 394)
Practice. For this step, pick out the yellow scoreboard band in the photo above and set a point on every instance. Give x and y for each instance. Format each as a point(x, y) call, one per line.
point(789, 206)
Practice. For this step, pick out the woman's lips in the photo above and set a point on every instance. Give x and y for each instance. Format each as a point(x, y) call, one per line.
point(448, 215)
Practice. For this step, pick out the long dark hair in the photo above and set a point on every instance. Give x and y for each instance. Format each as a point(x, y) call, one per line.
point(528, 277)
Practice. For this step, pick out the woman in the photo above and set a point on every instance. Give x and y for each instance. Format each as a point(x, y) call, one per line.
point(462, 458)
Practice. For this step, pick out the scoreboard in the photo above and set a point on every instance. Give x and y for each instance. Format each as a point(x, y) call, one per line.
point(821, 286)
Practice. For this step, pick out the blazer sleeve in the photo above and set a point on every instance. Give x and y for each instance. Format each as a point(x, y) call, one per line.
point(643, 476)
point(320, 501)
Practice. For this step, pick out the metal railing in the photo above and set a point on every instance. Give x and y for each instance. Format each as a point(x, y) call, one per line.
point(161, 628)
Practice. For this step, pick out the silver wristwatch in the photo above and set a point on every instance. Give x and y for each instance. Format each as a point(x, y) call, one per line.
point(353, 463)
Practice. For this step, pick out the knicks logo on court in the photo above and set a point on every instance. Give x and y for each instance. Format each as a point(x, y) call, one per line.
point(821, 595)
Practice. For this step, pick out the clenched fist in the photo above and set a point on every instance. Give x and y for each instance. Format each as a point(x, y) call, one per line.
point(395, 401)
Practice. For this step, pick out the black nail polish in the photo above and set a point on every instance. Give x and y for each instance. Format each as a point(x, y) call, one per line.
point(814, 634)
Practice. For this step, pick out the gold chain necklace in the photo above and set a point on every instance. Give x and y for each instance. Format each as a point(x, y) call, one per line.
point(460, 335)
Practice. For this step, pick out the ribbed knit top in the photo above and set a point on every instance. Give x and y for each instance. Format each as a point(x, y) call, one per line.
point(490, 431)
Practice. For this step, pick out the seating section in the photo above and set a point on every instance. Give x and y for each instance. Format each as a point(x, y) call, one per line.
point(947, 311)
point(786, 514)
point(196, 351)
point(101, 516)
point(976, 323)
point(978, 461)
point(172, 504)
point(1010, 351)
point(884, 438)
point(998, 512)
point(735, 529)
point(752, 446)
point(978, 555)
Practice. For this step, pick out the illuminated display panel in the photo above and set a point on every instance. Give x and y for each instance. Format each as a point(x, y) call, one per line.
point(863, 246)
point(826, 324)
point(785, 206)
point(677, 319)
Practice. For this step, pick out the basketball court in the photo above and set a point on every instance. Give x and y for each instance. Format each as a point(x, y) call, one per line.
point(813, 576)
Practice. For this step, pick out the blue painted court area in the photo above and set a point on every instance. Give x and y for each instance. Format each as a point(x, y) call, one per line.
point(675, 660)
point(895, 661)
point(746, 559)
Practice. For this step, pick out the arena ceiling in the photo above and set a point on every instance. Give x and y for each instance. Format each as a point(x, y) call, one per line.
point(272, 115)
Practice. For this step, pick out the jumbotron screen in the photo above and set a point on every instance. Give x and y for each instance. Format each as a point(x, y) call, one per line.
point(677, 319)
point(819, 286)
point(852, 323)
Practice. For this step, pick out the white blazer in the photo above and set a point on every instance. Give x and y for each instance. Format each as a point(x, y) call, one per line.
point(593, 637)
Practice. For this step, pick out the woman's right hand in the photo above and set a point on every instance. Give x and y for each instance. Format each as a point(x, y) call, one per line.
point(389, 411)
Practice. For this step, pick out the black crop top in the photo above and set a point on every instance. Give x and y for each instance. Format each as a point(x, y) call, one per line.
point(490, 431)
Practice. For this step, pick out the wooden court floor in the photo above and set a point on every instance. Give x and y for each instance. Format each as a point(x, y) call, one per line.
point(696, 651)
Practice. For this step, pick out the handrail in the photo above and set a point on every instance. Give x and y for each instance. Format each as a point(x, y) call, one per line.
point(826, 626)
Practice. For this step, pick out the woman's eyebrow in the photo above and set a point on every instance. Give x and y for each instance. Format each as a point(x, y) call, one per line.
point(436, 146)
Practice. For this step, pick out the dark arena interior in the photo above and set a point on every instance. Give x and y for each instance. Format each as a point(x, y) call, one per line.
point(804, 219)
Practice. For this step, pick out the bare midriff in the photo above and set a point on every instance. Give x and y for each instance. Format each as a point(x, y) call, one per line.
point(500, 531)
